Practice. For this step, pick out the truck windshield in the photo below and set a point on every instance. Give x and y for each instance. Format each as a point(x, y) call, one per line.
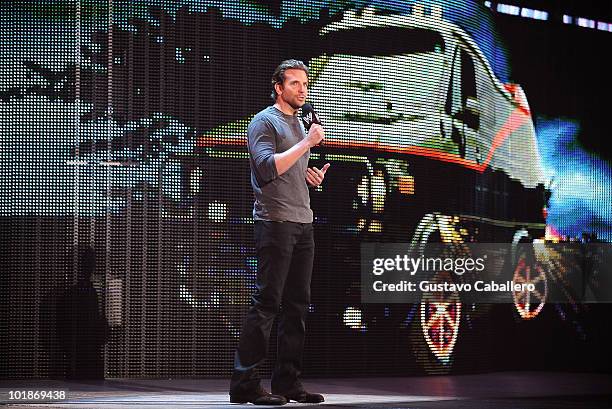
point(383, 41)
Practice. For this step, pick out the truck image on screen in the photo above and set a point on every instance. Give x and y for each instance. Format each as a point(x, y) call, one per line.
point(426, 145)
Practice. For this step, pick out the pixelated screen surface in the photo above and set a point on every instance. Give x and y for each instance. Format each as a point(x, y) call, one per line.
point(124, 131)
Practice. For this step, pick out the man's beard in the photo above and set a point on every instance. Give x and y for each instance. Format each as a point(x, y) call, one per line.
point(295, 105)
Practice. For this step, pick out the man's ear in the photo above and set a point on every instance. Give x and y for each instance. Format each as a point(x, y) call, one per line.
point(278, 87)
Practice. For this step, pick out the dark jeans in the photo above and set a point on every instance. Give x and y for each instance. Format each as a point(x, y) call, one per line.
point(285, 252)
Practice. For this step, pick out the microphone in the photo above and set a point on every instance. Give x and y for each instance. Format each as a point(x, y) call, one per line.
point(309, 116)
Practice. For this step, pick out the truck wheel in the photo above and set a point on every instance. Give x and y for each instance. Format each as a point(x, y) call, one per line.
point(528, 270)
point(439, 315)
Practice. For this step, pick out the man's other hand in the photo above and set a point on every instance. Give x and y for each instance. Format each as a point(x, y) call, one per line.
point(315, 176)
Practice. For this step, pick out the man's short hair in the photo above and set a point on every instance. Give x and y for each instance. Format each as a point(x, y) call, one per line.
point(279, 74)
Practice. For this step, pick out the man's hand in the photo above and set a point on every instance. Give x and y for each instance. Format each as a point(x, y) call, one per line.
point(315, 135)
point(314, 176)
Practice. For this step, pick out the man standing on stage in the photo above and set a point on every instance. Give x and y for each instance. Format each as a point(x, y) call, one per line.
point(279, 149)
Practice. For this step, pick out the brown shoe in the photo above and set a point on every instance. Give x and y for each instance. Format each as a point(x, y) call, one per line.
point(302, 396)
point(257, 397)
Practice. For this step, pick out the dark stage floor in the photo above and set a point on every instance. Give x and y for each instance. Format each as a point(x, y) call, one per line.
point(501, 390)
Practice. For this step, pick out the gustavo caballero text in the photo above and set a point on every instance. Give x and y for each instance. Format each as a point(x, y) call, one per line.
point(429, 286)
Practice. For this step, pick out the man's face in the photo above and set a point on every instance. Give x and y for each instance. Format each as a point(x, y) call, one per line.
point(295, 88)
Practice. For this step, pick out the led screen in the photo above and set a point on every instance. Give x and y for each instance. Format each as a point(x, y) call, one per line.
point(124, 129)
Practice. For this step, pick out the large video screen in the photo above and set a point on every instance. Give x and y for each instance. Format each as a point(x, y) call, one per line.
point(124, 130)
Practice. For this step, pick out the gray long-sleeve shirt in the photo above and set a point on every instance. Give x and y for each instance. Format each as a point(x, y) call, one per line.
point(277, 197)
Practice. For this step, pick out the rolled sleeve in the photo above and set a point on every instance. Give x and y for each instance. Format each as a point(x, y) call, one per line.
point(262, 147)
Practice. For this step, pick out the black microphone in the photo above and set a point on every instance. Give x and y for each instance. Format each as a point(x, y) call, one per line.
point(309, 116)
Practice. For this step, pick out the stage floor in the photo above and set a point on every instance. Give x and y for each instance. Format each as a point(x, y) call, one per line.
point(502, 390)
